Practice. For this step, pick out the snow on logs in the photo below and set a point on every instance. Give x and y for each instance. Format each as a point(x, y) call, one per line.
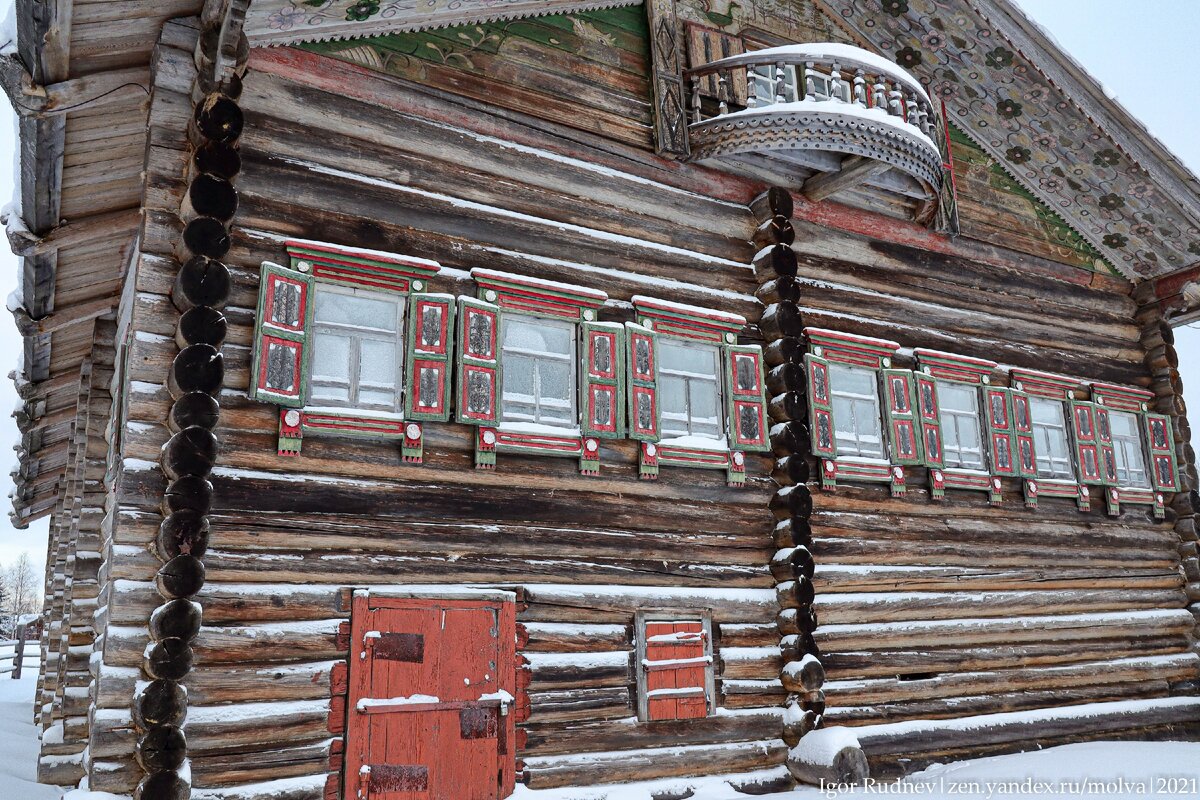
point(194, 380)
point(792, 566)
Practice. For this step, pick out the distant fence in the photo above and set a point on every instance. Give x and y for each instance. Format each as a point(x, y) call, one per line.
point(12, 660)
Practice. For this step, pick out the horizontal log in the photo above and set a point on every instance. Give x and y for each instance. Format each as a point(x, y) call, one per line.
point(547, 739)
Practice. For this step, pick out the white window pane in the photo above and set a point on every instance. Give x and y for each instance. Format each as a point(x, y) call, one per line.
point(376, 397)
point(377, 364)
point(843, 415)
point(362, 311)
point(949, 434)
point(703, 398)
point(518, 378)
point(1123, 424)
point(336, 394)
point(671, 396)
point(1048, 412)
point(953, 397)
point(852, 380)
point(555, 380)
point(694, 360)
point(539, 336)
point(331, 357)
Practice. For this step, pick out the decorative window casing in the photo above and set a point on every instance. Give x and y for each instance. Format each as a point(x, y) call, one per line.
point(853, 391)
point(347, 342)
point(696, 397)
point(1137, 448)
point(537, 373)
point(1065, 445)
point(967, 425)
point(675, 665)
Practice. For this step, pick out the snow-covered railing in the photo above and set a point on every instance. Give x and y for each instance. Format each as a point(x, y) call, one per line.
point(829, 97)
point(15, 659)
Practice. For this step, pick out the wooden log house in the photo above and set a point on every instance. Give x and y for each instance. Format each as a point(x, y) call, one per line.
point(432, 398)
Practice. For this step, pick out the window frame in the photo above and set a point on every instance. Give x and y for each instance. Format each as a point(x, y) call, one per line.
point(876, 398)
point(722, 439)
point(1041, 447)
point(980, 426)
point(651, 615)
point(356, 335)
point(1139, 441)
point(573, 360)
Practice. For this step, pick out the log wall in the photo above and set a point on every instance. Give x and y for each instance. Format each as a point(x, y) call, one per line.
point(927, 611)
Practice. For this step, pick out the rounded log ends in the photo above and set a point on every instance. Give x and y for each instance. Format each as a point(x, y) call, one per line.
point(182, 576)
point(161, 749)
point(197, 368)
point(779, 200)
point(776, 230)
point(798, 593)
point(814, 701)
point(793, 532)
point(792, 501)
point(206, 236)
point(167, 785)
point(792, 562)
point(192, 451)
point(213, 196)
point(189, 493)
point(201, 325)
point(780, 320)
point(790, 437)
point(161, 702)
point(787, 377)
point(218, 159)
point(168, 660)
point(176, 619)
point(219, 118)
point(776, 261)
point(791, 470)
point(201, 281)
point(183, 533)
point(796, 621)
point(788, 407)
point(844, 766)
point(805, 675)
point(797, 722)
point(195, 408)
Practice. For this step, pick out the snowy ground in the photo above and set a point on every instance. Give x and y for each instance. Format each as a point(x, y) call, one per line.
point(1111, 770)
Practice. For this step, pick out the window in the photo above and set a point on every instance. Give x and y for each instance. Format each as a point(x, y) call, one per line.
point(357, 349)
point(856, 411)
point(675, 666)
point(1127, 446)
point(689, 390)
point(1050, 435)
point(539, 367)
point(765, 84)
point(962, 440)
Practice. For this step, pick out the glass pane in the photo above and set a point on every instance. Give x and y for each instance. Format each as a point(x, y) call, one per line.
point(850, 380)
point(331, 357)
point(949, 435)
point(538, 336)
point(377, 364)
point(956, 398)
point(555, 383)
point(1047, 412)
point(671, 397)
point(1123, 424)
point(843, 415)
point(694, 360)
point(363, 311)
point(339, 394)
point(704, 407)
point(376, 397)
point(518, 380)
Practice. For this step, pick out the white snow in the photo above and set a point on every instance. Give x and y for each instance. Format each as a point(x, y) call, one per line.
point(19, 752)
point(875, 115)
point(844, 54)
point(8, 36)
point(410, 700)
point(820, 746)
point(360, 252)
point(655, 303)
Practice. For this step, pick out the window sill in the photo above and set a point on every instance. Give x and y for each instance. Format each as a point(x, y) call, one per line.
point(354, 413)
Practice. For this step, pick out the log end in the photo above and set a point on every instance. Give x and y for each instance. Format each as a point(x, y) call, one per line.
point(829, 755)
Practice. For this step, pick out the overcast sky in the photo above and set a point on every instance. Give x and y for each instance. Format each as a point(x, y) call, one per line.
point(1146, 52)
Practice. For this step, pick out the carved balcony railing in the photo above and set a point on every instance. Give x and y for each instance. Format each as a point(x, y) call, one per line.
point(830, 119)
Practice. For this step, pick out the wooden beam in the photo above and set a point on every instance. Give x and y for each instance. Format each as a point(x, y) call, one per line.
point(64, 317)
point(855, 170)
point(87, 91)
point(77, 232)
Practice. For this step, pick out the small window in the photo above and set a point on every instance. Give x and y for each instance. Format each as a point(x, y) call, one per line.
point(689, 386)
point(765, 84)
point(1127, 446)
point(539, 371)
point(856, 411)
point(822, 83)
point(1050, 433)
point(962, 440)
point(675, 670)
point(357, 352)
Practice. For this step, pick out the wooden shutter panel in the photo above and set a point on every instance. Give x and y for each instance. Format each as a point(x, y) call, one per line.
point(676, 690)
point(281, 337)
point(642, 368)
point(603, 370)
point(1087, 443)
point(1108, 456)
point(1164, 468)
point(430, 350)
point(901, 416)
point(930, 416)
point(1001, 433)
point(1026, 451)
point(745, 393)
point(820, 407)
point(478, 401)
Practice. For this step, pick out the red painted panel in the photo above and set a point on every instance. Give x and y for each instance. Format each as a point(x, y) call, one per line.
point(423, 718)
point(676, 691)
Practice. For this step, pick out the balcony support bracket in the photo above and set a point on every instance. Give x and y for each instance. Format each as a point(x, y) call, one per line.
point(855, 170)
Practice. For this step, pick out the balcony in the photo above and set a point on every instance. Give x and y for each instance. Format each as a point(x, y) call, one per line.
point(826, 120)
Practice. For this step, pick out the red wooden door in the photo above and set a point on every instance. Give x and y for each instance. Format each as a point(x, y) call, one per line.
point(431, 683)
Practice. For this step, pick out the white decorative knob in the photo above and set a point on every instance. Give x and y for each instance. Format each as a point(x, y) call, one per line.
point(588, 314)
point(651, 449)
point(303, 266)
point(418, 286)
point(412, 431)
point(937, 475)
point(591, 445)
point(489, 437)
point(292, 418)
point(739, 459)
point(490, 296)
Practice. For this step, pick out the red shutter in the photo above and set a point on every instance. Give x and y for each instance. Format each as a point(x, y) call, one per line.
point(820, 405)
point(676, 667)
point(1026, 452)
point(1108, 456)
point(746, 404)
point(931, 421)
point(900, 416)
point(1001, 438)
point(603, 372)
point(429, 353)
point(1164, 466)
point(478, 363)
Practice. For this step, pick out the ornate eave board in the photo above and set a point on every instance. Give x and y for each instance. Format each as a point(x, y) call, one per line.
point(1045, 120)
point(293, 21)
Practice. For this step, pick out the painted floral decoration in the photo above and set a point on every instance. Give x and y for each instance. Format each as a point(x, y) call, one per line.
point(1018, 155)
point(285, 18)
point(1107, 158)
point(896, 7)
point(1112, 202)
point(999, 58)
point(362, 10)
point(1194, 248)
point(1009, 109)
point(934, 40)
point(908, 57)
point(1115, 240)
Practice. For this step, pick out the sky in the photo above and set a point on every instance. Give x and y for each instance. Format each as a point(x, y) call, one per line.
point(1145, 52)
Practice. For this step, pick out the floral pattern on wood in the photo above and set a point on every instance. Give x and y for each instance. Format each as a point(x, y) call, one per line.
point(1057, 146)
